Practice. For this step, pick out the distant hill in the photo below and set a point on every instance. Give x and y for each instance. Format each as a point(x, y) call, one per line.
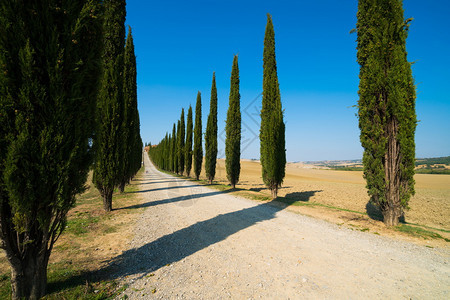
point(434, 165)
point(433, 161)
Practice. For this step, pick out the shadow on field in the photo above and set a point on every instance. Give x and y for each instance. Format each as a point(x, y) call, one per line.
point(291, 198)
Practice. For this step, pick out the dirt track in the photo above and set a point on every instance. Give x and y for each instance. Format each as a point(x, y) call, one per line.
point(196, 243)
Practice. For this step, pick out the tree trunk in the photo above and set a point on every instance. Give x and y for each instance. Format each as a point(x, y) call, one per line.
point(210, 181)
point(392, 209)
point(29, 276)
point(233, 186)
point(107, 200)
point(274, 191)
point(391, 217)
point(122, 187)
point(196, 177)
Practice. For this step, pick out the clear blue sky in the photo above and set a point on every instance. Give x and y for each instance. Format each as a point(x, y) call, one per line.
point(180, 43)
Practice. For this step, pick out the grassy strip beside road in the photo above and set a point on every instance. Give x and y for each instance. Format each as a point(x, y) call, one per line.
point(92, 237)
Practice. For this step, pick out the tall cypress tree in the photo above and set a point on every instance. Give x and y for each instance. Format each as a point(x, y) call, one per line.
point(387, 117)
point(188, 145)
point(211, 135)
point(181, 142)
point(198, 151)
point(130, 122)
point(49, 74)
point(109, 138)
point(272, 132)
point(233, 129)
point(177, 149)
point(173, 152)
point(170, 153)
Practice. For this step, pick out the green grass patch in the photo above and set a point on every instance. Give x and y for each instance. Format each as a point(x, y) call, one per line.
point(81, 223)
point(5, 286)
point(67, 281)
point(419, 232)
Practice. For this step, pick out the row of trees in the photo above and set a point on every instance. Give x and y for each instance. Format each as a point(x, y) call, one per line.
point(67, 99)
point(118, 145)
point(174, 152)
point(386, 111)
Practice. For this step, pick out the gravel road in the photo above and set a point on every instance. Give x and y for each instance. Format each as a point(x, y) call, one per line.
point(193, 242)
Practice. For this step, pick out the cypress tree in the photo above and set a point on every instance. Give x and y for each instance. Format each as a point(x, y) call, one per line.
point(211, 135)
point(188, 146)
point(181, 138)
point(49, 74)
point(387, 117)
point(130, 90)
point(177, 149)
point(131, 115)
point(233, 129)
point(109, 138)
point(198, 151)
point(173, 151)
point(272, 132)
point(170, 153)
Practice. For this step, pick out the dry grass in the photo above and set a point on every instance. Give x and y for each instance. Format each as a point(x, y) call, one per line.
point(92, 237)
point(341, 197)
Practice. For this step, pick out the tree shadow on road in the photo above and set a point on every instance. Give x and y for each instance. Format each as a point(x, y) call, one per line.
point(163, 188)
point(180, 244)
point(187, 241)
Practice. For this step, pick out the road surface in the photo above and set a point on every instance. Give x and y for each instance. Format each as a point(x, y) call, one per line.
point(193, 242)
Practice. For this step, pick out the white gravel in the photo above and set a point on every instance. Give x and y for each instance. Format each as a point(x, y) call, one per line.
point(193, 242)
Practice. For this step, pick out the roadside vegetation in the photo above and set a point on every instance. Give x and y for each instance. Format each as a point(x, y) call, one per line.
point(90, 239)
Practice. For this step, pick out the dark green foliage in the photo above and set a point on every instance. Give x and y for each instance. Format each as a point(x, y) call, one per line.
point(132, 148)
point(387, 117)
point(188, 145)
point(173, 149)
point(177, 149)
point(272, 133)
point(110, 104)
point(233, 128)
point(180, 141)
point(211, 135)
point(198, 151)
point(49, 74)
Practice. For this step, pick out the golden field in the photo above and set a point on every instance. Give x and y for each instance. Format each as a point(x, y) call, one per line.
point(346, 189)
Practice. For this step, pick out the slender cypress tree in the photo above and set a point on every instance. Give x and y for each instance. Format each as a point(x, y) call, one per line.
point(272, 132)
point(130, 116)
point(387, 117)
point(211, 135)
point(198, 151)
point(173, 158)
point(50, 57)
point(188, 146)
point(170, 153)
point(177, 149)
point(181, 138)
point(109, 138)
point(130, 90)
point(233, 129)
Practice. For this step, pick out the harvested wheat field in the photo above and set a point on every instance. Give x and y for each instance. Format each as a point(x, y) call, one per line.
point(430, 207)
